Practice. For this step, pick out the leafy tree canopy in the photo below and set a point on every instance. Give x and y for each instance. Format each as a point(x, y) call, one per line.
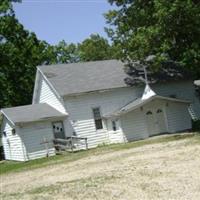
point(66, 53)
point(95, 48)
point(169, 30)
point(20, 53)
point(6, 7)
point(197, 88)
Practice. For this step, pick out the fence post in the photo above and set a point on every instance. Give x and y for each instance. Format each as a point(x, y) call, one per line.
point(72, 144)
point(86, 143)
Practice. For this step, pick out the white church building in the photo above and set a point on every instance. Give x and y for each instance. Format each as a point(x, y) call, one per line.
point(91, 100)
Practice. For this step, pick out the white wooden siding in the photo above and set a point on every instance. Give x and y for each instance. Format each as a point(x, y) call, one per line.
point(182, 90)
point(134, 125)
point(80, 109)
point(33, 135)
point(153, 122)
point(115, 136)
point(81, 116)
point(178, 117)
point(68, 127)
point(46, 95)
point(12, 144)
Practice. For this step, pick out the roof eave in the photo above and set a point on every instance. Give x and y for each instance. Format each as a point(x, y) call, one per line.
point(92, 91)
point(7, 117)
point(21, 123)
point(122, 112)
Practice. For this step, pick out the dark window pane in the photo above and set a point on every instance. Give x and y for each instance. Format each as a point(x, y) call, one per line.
point(96, 113)
point(149, 113)
point(97, 118)
point(98, 124)
point(13, 131)
point(159, 111)
point(114, 126)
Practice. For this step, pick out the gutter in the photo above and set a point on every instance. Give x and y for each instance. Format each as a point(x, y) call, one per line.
point(20, 124)
point(35, 86)
point(8, 118)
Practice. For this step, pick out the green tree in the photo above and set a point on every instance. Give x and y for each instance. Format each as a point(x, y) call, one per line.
point(95, 48)
point(66, 53)
point(20, 53)
point(6, 7)
point(197, 88)
point(168, 30)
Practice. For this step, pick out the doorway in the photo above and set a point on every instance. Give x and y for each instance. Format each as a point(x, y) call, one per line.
point(156, 121)
point(58, 130)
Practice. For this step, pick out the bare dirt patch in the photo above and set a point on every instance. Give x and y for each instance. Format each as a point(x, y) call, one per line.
point(168, 170)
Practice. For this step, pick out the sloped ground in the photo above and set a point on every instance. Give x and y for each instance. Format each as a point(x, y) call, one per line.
point(166, 170)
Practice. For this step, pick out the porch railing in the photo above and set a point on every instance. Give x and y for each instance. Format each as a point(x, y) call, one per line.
point(72, 143)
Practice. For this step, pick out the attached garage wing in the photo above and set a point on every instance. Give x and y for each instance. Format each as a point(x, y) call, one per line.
point(143, 118)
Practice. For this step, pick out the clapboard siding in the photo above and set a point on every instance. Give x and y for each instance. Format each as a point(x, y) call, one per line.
point(81, 116)
point(46, 95)
point(134, 125)
point(178, 117)
point(12, 144)
point(33, 135)
point(79, 108)
point(87, 129)
point(115, 136)
point(182, 90)
point(5, 140)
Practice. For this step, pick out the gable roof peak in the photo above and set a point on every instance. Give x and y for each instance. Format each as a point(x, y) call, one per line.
point(148, 92)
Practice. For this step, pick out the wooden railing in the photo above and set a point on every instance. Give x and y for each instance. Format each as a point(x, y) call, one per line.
point(71, 143)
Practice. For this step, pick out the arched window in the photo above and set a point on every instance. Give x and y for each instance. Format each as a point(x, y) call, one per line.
point(149, 113)
point(159, 111)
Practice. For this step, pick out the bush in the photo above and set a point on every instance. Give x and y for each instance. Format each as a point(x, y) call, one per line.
point(1, 153)
point(196, 125)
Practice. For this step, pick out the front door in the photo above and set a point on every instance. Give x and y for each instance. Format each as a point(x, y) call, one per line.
point(155, 121)
point(160, 120)
point(58, 130)
point(151, 124)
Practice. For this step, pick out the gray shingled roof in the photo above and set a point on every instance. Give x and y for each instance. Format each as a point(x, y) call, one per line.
point(139, 102)
point(31, 113)
point(85, 77)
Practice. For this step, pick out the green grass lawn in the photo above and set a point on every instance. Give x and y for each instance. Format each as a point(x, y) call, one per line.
point(11, 166)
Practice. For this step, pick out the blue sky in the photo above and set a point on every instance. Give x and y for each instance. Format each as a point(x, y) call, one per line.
point(55, 20)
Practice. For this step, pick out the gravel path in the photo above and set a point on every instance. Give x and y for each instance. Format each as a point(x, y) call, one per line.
point(159, 171)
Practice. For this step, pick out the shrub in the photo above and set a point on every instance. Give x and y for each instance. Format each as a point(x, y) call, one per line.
point(196, 125)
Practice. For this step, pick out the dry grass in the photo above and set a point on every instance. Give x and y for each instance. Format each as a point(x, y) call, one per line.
point(166, 170)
